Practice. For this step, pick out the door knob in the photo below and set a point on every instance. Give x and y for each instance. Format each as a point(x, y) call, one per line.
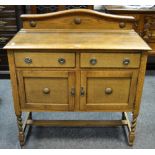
point(108, 91)
point(46, 90)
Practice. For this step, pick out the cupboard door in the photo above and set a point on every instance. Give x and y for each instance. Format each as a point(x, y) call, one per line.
point(47, 90)
point(108, 90)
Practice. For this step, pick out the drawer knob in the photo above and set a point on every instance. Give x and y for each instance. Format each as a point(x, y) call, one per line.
point(77, 20)
point(28, 60)
point(126, 61)
point(108, 91)
point(33, 23)
point(93, 61)
point(61, 61)
point(46, 90)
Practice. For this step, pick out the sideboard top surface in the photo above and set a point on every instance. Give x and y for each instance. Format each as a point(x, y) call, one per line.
point(78, 39)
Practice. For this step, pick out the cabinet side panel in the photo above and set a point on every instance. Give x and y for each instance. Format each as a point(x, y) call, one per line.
point(140, 84)
point(14, 82)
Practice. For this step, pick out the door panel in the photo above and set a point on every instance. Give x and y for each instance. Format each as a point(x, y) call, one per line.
point(108, 90)
point(54, 87)
point(46, 90)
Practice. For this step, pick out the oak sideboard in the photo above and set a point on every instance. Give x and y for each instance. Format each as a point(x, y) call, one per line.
point(77, 60)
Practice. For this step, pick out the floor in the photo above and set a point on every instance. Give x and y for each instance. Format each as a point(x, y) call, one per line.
point(78, 138)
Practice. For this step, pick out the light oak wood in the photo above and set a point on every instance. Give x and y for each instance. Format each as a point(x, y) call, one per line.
point(107, 84)
point(44, 59)
point(140, 83)
point(76, 19)
point(77, 123)
point(60, 85)
point(78, 39)
point(94, 83)
point(110, 60)
point(14, 83)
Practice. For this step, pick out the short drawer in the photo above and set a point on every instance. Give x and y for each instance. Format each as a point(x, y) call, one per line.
point(113, 60)
point(33, 59)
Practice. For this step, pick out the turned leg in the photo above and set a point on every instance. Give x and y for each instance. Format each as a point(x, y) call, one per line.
point(133, 129)
point(20, 128)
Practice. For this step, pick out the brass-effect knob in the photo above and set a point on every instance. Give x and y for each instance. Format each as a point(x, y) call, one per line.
point(108, 91)
point(126, 61)
point(61, 61)
point(93, 61)
point(46, 90)
point(77, 20)
point(28, 60)
point(122, 25)
point(33, 23)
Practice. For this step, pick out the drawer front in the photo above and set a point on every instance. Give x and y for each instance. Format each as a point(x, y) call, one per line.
point(29, 59)
point(114, 60)
point(46, 90)
point(108, 90)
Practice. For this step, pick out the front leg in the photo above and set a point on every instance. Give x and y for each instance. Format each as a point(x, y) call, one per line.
point(21, 131)
point(133, 129)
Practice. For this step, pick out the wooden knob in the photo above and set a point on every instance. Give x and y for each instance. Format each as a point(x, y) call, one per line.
point(77, 20)
point(46, 90)
point(121, 24)
point(33, 23)
point(108, 91)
